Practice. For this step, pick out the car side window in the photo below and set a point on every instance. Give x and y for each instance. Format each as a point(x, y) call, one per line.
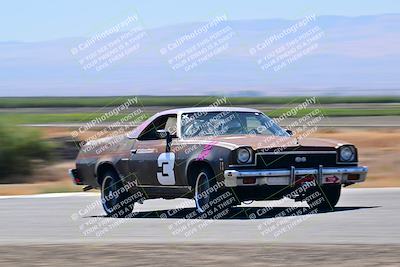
point(167, 122)
point(171, 125)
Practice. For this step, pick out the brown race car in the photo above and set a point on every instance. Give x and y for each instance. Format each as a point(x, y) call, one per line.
point(205, 153)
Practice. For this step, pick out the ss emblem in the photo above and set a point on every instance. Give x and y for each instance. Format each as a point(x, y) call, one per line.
point(300, 159)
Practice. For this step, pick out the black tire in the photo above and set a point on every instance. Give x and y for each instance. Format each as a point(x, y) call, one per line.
point(210, 196)
point(204, 181)
point(116, 200)
point(327, 198)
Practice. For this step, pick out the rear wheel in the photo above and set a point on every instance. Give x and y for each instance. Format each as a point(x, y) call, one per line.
point(115, 198)
point(325, 197)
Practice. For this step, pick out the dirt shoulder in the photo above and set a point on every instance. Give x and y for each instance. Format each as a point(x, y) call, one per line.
point(379, 149)
point(199, 255)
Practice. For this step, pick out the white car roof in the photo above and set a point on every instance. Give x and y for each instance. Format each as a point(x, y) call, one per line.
point(210, 109)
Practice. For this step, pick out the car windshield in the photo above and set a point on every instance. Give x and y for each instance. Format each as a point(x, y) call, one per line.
point(228, 123)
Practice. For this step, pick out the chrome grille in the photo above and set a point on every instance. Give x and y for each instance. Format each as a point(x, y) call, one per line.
point(298, 160)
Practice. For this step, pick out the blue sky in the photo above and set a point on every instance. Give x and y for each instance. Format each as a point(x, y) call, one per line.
point(47, 20)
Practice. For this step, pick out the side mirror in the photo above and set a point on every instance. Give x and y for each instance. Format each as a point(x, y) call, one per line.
point(164, 134)
point(290, 132)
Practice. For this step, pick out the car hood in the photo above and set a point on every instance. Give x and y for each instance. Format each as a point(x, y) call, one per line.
point(262, 142)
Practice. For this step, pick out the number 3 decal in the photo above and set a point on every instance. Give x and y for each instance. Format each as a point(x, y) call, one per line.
point(166, 175)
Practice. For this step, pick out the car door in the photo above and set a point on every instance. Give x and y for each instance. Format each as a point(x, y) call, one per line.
point(150, 162)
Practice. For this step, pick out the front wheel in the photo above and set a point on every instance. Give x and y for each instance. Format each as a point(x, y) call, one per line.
point(210, 196)
point(324, 197)
point(115, 198)
point(202, 193)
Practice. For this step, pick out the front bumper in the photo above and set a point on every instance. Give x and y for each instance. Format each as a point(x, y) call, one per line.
point(322, 175)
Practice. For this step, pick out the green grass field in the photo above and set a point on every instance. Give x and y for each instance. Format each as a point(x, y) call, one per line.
point(22, 118)
point(180, 101)
point(338, 112)
point(20, 102)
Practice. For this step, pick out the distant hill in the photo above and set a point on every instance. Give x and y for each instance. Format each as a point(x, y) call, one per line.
point(354, 56)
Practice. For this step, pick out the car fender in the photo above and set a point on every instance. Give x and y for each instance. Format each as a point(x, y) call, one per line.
point(217, 159)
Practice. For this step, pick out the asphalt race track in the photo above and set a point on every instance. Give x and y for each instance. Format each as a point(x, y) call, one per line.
point(47, 230)
point(363, 216)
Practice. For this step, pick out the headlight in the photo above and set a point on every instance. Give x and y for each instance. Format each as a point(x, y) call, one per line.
point(347, 153)
point(243, 155)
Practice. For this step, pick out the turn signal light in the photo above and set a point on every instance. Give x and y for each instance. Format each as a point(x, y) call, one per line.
point(249, 180)
point(353, 176)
